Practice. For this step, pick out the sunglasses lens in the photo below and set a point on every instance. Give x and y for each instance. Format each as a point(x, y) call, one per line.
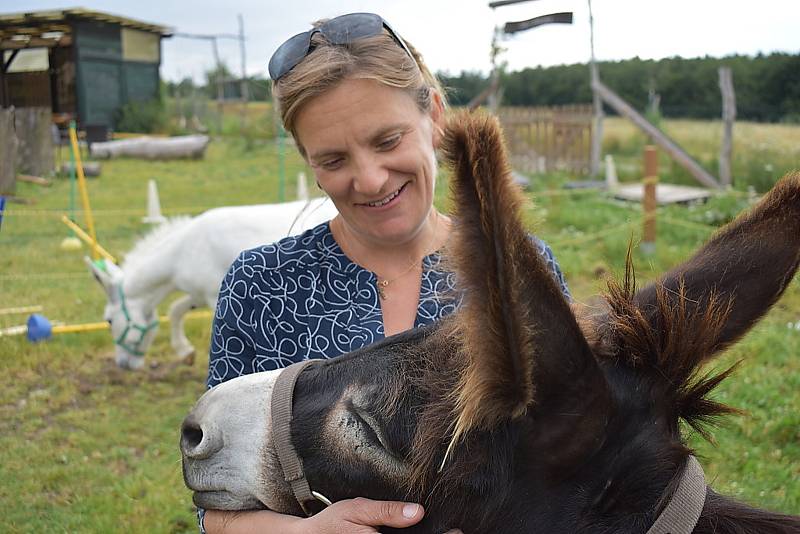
point(341, 30)
point(289, 54)
point(348, 28)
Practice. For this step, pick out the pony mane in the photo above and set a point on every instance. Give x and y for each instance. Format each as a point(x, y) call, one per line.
point(154, 239)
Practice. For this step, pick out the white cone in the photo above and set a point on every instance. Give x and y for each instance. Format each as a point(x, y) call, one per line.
point(611, 173)
point(153, 205)
point(302, 186)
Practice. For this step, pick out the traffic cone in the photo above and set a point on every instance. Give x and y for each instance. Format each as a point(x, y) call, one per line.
point(153, 205)
point(302, 186)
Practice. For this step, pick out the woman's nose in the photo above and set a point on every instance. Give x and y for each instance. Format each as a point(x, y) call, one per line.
point(370, 177)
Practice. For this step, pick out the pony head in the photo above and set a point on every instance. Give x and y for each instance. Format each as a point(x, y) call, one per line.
point(133, 325)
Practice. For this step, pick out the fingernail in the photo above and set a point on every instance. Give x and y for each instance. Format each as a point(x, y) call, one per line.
point(410, 510)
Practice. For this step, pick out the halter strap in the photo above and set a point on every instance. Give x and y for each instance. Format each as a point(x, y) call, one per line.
point(143, 329)
point(681, 514)
point(291, 464)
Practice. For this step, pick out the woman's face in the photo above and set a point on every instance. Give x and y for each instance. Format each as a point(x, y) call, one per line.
point(372, 151)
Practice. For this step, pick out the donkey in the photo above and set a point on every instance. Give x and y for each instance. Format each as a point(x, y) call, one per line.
point(189, 255)
point(514, 415)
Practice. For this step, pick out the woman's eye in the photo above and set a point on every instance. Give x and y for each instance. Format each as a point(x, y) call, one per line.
point(390, 143)
point(331, 164)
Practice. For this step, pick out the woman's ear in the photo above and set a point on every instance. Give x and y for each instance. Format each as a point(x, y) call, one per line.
point(437, 117)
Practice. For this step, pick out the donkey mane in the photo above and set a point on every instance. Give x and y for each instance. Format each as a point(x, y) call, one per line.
point(664, 352)
point(154, 239)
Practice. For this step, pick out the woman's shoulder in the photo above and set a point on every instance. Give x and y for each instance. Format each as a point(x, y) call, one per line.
point(298, 253)
point(307, 247)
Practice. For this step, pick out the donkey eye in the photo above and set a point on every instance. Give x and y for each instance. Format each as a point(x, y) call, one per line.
point(371, 427)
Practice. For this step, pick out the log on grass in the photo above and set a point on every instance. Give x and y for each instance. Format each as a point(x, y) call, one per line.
point(183, 147)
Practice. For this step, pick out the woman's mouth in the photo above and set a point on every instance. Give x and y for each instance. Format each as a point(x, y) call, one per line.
point(387, 199)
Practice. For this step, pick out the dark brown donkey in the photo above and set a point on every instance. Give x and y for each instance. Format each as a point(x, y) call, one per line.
point(513, 415)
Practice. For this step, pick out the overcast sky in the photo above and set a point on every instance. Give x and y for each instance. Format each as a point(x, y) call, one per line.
point(454, 35)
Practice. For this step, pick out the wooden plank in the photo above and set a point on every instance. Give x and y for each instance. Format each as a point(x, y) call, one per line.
point(36, 153)
point(38, 180)
point(553, 18)
point(660, 138)
point(8, 152)
point(665, 193)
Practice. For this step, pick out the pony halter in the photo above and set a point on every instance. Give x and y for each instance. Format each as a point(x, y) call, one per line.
point(135, 347)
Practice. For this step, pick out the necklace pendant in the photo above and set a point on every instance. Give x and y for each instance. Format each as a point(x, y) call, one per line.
point(381, 286)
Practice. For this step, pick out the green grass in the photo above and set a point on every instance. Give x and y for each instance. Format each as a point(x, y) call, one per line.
point(90, 448)
point(761, 152)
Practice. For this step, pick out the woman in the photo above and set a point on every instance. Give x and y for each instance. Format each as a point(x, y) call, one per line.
point(367, 116)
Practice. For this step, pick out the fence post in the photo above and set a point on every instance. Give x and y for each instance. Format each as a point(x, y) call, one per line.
point(35, 151)
point(728, 117)
point(8, 152)
point(649, 199)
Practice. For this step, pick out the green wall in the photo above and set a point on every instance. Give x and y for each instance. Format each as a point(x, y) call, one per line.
point(105, 82)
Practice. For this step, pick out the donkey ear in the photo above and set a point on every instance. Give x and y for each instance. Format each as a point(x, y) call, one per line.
point(520, 338)
point(714, 298)
point(106, 275)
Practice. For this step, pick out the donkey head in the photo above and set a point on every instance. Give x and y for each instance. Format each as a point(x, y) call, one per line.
point(512, 415)
point(133, 322)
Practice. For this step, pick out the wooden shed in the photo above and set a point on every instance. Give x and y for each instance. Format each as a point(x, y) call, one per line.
point(82, 64)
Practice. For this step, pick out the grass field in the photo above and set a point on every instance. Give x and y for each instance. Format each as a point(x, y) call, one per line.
point(89, 448)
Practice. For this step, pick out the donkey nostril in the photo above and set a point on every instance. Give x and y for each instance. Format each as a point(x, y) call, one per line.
point(191, 435)
point(199, 440)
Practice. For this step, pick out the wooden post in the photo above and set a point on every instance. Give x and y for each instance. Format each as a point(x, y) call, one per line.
point(597, 104)
point(728, 116)
point(244, 89)
point(8, 152)
point(649, 199)
point(220, 81)
point(35, 151)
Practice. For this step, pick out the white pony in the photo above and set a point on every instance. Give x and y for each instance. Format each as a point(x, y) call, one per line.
point(190, 255)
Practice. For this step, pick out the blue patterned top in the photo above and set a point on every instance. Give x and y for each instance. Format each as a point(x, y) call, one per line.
point(303, 298)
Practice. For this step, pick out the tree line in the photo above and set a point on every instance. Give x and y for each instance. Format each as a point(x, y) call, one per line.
point(767, 86)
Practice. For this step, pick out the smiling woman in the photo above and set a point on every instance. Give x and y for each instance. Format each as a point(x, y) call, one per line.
point(367, 115)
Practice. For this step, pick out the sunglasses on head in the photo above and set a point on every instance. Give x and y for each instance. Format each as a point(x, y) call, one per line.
point(341, 30)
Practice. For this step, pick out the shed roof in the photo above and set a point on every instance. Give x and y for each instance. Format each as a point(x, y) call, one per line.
point(53, 27)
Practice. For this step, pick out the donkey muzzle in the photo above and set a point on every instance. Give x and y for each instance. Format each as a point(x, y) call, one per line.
point(226, 442)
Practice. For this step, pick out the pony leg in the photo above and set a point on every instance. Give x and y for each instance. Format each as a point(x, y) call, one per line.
point(180, 343)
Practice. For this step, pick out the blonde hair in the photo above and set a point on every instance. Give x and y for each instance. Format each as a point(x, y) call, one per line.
point(378, 58)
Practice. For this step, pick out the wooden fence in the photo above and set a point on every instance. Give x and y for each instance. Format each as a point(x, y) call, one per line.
point(546, 139)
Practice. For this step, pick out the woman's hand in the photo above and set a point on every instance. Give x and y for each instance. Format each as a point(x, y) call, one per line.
point(361, 516)
point(352, 516)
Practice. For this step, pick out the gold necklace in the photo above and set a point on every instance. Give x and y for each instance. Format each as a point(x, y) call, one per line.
point(382, 283)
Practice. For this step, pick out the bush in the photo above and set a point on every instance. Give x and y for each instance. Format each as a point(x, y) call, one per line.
point(142, 117)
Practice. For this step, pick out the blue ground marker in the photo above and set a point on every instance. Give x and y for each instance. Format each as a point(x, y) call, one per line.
point(2, 209)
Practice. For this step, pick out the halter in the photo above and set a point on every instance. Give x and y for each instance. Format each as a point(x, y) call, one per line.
point(679, 516)
point(291, 464)
point(130, 325)
point(683, 510)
